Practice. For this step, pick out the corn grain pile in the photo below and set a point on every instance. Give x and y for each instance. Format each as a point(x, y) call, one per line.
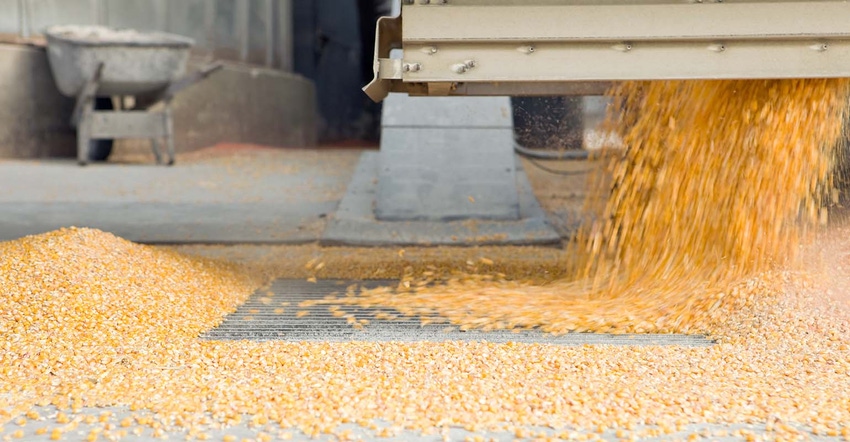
point(90, 320)
point(78, 306)
point(688, 242)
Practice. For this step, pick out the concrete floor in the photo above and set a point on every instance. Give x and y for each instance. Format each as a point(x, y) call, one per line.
point(249, 196)
point(261, 196)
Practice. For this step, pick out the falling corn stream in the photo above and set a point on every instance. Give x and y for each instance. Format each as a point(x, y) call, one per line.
point(720, 180)
point(702, 224)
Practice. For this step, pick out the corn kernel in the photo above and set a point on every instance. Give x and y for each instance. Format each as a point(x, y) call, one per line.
point(692, 238)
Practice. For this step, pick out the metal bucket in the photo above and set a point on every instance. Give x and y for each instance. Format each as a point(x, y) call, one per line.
point(135, 63)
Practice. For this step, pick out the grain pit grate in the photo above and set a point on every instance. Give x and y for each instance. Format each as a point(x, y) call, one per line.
point(261, 319)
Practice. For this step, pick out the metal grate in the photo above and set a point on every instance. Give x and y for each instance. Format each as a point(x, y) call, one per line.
point(257, 320)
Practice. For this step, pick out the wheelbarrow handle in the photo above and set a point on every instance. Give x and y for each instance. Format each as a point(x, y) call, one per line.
point(211, 68)
point(189, 80)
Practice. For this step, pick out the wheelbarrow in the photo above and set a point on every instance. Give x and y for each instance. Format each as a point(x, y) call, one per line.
point(94, 64)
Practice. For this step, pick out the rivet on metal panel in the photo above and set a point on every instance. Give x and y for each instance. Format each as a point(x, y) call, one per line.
point(430, 50)
point(819, 47)
point(459, 68)
point(527, 49)
point(717, 47)
point(412, 67)
point(622, 47)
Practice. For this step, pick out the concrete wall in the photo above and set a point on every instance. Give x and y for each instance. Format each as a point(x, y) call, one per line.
point(248, 105)
point(34, 118)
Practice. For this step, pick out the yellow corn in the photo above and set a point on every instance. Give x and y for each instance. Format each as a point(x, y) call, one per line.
point(693, 237)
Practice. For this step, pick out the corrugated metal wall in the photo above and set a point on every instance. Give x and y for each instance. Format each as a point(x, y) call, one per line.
point(251, 31)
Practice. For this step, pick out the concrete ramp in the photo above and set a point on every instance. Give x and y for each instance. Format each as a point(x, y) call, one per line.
point(446, 174)
point(355, 223)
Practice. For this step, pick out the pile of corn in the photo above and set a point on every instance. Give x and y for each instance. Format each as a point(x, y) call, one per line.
point(710, 195)
point(89, 320)
point(80, 308)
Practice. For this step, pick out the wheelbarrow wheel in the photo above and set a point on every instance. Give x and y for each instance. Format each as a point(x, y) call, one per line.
point(100, 149)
